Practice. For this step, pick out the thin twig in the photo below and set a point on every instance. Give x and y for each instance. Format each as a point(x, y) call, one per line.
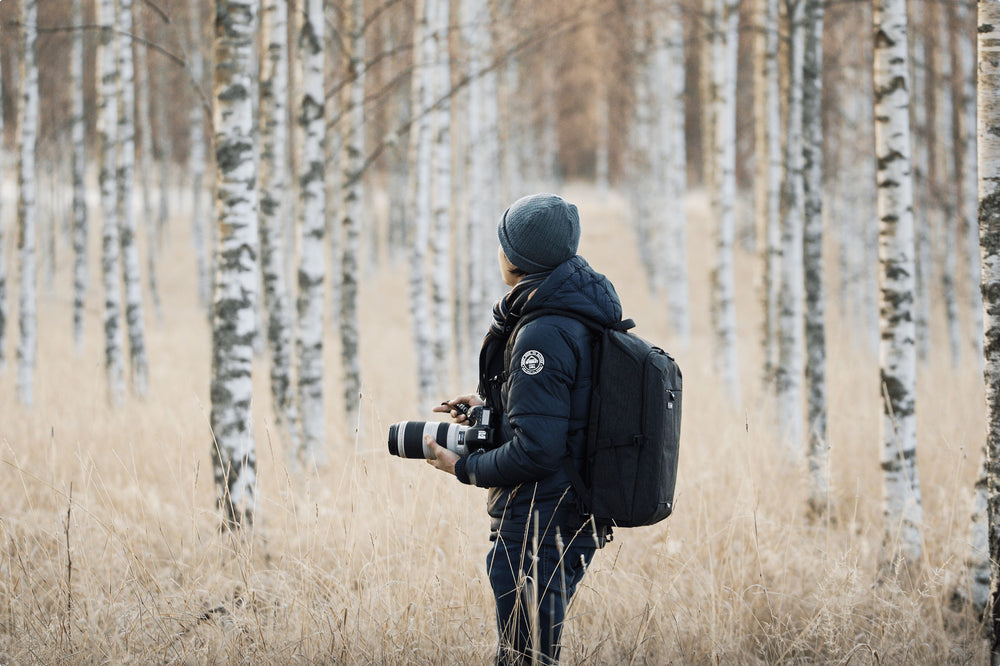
point(68, 627)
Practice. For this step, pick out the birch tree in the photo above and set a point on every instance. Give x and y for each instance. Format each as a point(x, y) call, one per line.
point(642, 145)
point(420, 197)
point(274, 169)
point(788, 375)
point(484, 157)
point(312, 203)
point(945, 176)
point(110, 243)
point(603, 132)
point(724, 197)
point(897, 352)
point(131, 273)
point(817, 450)
point(670, 170)
point(234, 310)
point(3, 262)
point(26, 204)
point(922, 196)
point(856, 185)
point(78, 167)
point(988, 139)
point(166, 156)
point(769, 166)
point(353, 205)
point(196, 155)
point(145, 121)
point(969, 195)
point(441, 194)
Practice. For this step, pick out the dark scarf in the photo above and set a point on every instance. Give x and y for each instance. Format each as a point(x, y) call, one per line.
point(506, 313)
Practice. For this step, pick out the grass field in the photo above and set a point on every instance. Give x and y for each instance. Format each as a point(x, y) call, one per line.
point(110, 550)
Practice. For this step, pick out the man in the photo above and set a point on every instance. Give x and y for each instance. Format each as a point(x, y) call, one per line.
point(541, 383)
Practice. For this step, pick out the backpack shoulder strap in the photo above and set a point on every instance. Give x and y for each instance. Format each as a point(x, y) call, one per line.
point(624, 325)
point(592, 324)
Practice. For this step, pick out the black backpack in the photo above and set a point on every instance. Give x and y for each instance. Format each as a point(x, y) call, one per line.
point(633, 430)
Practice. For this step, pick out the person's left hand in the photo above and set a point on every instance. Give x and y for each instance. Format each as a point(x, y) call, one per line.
point(444, 459)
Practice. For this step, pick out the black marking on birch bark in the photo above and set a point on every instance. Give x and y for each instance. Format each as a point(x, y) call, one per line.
point(234, 93)
point(894, 84)
point(269, 204)
point(895, 463)
point(307, 281)
point(233, 154)
point(895, 270)
point(882, 40)
point(897, 400)
point(308, 41)
point(884, 161)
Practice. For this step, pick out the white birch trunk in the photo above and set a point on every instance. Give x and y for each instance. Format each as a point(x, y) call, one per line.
point(441, 278)
point(312, 226)
point(817, 449)
point(335, 149)
point(988, 133)
point(922, 198)
point(350, 336)
point(726, 357)
point(788, 376)
point(642, 146)
point(145, 120)
point(79, 167)
point(26, 204)
point(420, 199)
point(946, 178)
point(166, 157)
point(477, 43)
point(710, 59)
point(131, 273)
point(485, 178)
point(197, 157)
point(671, 173)
point(110, 244)
point(235, 304)
point(274, 183)
point(897, 352)
point(969, 194)
point(511, 122)
point(769, 168)
point(548, 178)
point(603, 133)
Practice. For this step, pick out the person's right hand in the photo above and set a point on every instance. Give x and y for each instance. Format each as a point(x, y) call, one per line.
point(456, 414)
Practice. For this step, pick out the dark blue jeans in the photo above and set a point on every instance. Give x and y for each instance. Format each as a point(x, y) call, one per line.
point(532, 591)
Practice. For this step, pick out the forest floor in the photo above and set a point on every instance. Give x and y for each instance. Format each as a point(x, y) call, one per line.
point(110, 548)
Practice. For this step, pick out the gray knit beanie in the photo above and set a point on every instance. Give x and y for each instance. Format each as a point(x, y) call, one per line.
point(540, 231)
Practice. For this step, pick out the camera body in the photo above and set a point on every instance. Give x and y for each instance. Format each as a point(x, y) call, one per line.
point(481, 433)
point(406, 438)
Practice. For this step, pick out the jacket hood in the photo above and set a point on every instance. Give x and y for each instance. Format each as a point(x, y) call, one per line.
point(575, 286)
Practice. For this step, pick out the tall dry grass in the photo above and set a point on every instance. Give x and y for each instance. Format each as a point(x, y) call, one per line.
point(111, 549)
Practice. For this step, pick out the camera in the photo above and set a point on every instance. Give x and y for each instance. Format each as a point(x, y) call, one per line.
point(406, 438)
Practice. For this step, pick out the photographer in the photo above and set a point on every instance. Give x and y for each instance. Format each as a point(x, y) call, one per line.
point(541, 385)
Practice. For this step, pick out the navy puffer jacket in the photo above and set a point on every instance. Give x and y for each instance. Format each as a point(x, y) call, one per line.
point(544, 395)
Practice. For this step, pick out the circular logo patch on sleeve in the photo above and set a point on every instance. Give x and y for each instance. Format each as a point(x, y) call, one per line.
point(532, 362)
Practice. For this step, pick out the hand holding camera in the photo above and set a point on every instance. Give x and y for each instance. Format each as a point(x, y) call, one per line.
point(459, 407)
point(406, 438)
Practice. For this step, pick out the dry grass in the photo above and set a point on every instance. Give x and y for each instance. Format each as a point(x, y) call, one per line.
point(378, 560)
